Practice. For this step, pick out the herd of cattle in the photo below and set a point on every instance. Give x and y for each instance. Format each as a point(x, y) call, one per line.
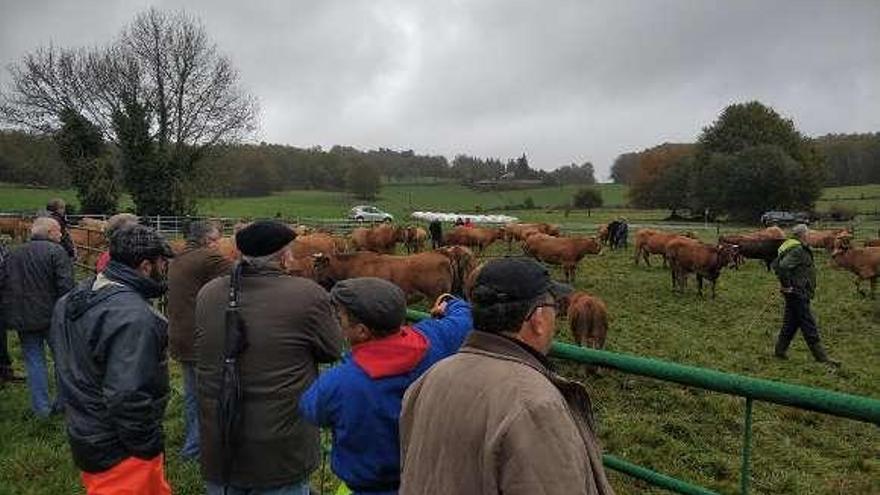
point(426, 273)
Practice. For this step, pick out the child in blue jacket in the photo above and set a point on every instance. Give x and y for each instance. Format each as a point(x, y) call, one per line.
point(359, 399)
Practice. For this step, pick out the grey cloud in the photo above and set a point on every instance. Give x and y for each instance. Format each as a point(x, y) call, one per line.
point(562, 81)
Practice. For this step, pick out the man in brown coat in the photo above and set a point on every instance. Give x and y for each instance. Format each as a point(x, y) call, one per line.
point(493, 418)
point(257, 350)
point(197, 265)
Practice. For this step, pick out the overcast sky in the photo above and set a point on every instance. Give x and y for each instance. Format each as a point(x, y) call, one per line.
point(562, 81)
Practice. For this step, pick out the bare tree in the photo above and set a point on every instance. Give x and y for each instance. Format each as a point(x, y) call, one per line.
point(163, 64)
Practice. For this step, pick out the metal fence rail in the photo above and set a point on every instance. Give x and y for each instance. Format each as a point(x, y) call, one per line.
point(839, 404)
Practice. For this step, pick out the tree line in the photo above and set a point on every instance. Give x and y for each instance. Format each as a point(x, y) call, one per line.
point(748, 161)
point(849, 159)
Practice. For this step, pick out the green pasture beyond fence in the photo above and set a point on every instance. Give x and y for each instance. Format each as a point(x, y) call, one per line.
point(751, 389)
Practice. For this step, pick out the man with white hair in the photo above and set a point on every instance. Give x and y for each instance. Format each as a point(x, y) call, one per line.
point(36, 275)
point(797, 279)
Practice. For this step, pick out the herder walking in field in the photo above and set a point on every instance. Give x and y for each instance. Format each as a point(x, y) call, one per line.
point(494, 418)
point(35, 276)
point(260, 335)
point(797, 279)
point(360, 398)
point(197, 265)
point(110, 350)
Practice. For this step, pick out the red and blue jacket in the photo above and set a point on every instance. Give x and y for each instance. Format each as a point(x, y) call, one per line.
point(360, 398)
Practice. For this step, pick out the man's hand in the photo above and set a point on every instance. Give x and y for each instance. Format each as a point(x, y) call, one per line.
point(439, 309)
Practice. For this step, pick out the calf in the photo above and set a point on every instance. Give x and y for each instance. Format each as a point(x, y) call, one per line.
point(705, 260)
point(863, 262)
point(587, 319)
point(564, 251)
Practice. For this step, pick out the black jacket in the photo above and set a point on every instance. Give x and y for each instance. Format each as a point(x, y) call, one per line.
point(110, 355)
point(33, 277)
point(66, 241)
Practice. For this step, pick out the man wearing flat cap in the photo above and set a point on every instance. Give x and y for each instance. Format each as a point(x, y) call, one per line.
point(286, 326)
point(360, 398)
point(494, 418)
point(110, 345)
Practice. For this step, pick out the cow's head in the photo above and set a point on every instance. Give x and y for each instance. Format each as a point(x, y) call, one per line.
point(841, 244)
point(728, 254)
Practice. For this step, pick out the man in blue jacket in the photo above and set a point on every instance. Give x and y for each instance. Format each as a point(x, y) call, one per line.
point(360, 398)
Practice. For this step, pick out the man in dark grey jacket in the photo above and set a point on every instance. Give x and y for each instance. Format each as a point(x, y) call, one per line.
point(36, 275)
point(110, 352)
point(288, 328)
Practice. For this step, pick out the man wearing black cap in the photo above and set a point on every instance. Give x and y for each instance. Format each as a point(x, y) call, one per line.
point(494, 418)
point(286, 327)
point(110, 355)
point(360, 398)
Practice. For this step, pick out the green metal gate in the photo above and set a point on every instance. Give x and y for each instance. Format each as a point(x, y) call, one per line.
point(855, 407)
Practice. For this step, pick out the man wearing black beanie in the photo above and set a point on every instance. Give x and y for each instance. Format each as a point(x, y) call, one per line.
point(286, 327)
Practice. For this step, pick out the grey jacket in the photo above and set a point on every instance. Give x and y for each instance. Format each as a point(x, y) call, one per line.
point(493, 419)
point(33, 277)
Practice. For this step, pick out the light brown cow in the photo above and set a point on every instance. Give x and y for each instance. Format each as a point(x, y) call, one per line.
point(93, 223)
point(228, 249)
point(477, 238)
point(414, 238)
point(705, 260)
point(521, 231)
point(587, 319)
point(863, 262)
point(380, 239)
point(564, 251)
point(305, 246)
point(652, 241)
point(18, 228)
point(825, 238)
point(425, 275)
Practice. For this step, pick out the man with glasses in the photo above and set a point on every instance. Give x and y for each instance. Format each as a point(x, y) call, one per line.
point(494, 418)
point(197, 265)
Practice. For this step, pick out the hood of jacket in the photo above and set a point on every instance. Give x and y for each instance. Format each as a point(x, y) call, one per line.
point(115, 278)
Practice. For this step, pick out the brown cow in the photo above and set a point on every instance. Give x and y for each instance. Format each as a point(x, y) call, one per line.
point(425, 275)
point(825, 238)
point(228, 249)
point(705, 260)
point(414, 238)
point(652, 241)
point(587, 319)
point(477, 238)
point(564, 251)
point(602, 233)
point(305, 246)
point(872, 243)
point(863, 262)
point(93, 223)
point(381, 239)
point(521, 231)
point(18, 228)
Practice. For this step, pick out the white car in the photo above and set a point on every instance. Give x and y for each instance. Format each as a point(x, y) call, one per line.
point(365, 213)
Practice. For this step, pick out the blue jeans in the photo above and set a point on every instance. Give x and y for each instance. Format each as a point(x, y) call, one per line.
point(297, 489)
point(190, 449)
point(33, 350)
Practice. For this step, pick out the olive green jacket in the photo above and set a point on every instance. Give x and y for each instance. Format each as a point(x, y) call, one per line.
point(795, 268)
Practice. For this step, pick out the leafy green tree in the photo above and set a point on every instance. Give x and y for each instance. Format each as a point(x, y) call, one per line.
point(743, 132)
point(93, 173)
point(587, 198)
point(363, 180)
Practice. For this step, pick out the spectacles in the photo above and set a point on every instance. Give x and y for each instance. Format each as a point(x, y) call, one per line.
point(541, 305)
